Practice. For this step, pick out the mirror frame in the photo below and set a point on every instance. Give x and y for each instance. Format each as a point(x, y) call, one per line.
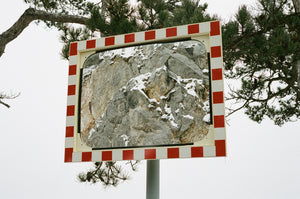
point(209, 33)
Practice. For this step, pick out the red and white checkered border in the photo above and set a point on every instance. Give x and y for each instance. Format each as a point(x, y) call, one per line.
point(213, 31)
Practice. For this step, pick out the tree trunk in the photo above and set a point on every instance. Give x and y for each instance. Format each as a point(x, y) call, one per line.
point(297, 5)
point(30, 15)
point(298, 66)
point(103, 10)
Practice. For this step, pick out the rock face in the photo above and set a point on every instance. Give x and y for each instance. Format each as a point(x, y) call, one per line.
point(154, 94)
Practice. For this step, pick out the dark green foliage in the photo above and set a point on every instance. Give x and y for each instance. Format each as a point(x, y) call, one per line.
point(155, 14)
point(261, 51)
point(114, 17)
point(70, 34)
point(108, 173)
point(117, 17)
point(190, 12)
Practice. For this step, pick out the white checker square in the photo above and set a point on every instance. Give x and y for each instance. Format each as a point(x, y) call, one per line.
point(96, 156)
point(160, 33)
point(185, 152)
point(119, 39)
point(215, 40)
point(161, 153)
point(218, 109)
point(77, 157)
point(81, 45)
point(204, 27)
point(209, 151)
point(73, 60)
point(117, 155)
point(217, 85)
point(140, 36)
point(216, 63)
point(70, 121)
point(72, 80)
point(69, 142)
point(139, 154)
point(100, 43)
point(220, 134)
point(182, 30)
point(71, 100)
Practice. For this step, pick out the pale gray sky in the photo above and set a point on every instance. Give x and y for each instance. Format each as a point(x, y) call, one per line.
point(262, 162)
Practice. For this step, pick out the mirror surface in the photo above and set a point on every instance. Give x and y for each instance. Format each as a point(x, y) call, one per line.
point(149, 95)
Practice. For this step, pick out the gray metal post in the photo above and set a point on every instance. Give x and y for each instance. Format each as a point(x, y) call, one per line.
point(152, 179)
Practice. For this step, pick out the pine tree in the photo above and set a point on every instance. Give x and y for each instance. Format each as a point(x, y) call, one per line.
point(261, 49)
point(114, 17)
point(155, 14)
point(188, 12)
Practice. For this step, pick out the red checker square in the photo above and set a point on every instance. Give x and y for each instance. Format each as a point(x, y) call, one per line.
point(129, 38)
point(214, 28)
point(196, 152)
point(73, 49)
point(71, 89)
point(218, 97)
point(150, 153)
point(70, 131)
point(171, 32)
point(128, 155)
point(217, 74)
point(150, 35)
point(70, 110)
point(215, 51)
point(86, 156)
point(72, 70)
point(107, 156)
point(91, 44)
point(192, 29)
point(173, 152)
point(109, 41)
point(220, 147)
point(219, 121)
point(68, 154)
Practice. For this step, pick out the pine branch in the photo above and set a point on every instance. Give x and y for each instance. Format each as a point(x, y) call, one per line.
point(108, 173)
point(263, 30)
point(5, 104)
point(30, 15)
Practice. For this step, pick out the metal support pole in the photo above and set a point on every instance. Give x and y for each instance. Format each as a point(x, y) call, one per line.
point(152, 179)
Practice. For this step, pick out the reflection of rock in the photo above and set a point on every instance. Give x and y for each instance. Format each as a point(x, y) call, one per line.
point(147, 95)
point(180, 64)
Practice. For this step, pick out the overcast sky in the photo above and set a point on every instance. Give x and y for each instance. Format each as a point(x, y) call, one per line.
point(263, 160)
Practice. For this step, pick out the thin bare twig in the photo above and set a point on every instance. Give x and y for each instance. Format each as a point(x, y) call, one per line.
point(5, 96)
